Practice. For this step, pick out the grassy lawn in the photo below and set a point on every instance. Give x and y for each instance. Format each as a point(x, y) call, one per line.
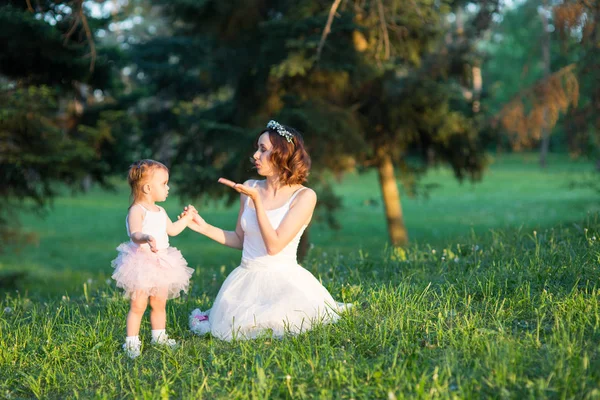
point(497, 296)
point(77, 239)
point(512, 315)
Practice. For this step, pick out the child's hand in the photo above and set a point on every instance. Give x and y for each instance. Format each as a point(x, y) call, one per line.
point(152, 243)
point(188, 213)
point(195, 222)
point(190, 209)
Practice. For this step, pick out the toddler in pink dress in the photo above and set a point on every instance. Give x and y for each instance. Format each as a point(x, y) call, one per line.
point(147, 268)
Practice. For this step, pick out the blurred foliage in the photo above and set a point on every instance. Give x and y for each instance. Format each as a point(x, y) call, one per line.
point(192, 83)
point(388, 83)
point(566, 101)
point(36, 154)
point(45, 82)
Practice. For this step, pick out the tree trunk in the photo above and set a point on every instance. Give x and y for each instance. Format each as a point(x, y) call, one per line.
point(430, 157)
point(477, 86)
point(391, 200)
point(546, 61)
point(499, 146)
point(304, 244)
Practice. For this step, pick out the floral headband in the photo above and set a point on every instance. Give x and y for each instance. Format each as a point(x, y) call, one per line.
point(281, 130)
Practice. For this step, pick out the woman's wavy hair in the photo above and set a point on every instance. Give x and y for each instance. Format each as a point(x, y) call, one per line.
point(139, 173)
point(290, 158)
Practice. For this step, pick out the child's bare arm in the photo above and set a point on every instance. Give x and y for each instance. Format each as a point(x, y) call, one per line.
point(175, 228)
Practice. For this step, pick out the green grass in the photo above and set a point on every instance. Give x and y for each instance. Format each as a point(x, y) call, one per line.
point(77, 239)
point(464, 312)
point(512, 315)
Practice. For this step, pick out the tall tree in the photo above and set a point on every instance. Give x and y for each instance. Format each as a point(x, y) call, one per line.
point(372, 83)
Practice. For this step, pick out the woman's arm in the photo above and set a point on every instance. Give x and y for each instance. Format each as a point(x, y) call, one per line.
point(299, 214)
point(233, 239)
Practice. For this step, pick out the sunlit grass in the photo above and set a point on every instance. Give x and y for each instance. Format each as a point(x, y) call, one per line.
point(511, 314)
point(496, 297)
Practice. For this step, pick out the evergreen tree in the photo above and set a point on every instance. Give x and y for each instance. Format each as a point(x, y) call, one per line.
point(384, 86)
point(48, 67)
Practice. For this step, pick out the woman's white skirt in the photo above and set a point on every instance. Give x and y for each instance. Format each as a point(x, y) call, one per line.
point(257, 299)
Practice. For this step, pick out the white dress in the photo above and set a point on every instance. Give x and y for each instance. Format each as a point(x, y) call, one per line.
point(267, 293)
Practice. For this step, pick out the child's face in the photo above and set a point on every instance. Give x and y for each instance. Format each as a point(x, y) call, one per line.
point(158, 185)
point(262, 156)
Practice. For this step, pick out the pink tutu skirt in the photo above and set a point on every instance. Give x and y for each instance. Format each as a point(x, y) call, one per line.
point(139, 271)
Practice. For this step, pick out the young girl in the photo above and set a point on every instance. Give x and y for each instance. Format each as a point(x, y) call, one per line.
point(146, 267)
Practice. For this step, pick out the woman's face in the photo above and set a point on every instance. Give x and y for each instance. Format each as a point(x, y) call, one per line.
point(262, 156)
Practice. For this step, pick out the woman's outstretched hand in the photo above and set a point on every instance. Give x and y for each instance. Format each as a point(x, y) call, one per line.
point(196, 221)
point(251, 192)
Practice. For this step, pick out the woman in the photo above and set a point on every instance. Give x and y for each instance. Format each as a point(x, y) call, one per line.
point(269, 291)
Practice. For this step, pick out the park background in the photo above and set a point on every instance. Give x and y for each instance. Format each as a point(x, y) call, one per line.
point(456, 158)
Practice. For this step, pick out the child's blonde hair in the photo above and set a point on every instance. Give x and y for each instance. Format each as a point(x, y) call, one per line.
point(139, 172)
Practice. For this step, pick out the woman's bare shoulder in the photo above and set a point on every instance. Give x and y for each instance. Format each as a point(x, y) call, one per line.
point(306, 191)
point(306, 195)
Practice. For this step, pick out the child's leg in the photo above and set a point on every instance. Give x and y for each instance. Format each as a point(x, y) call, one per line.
point(137, 308)
point(158, 319)
point(158, 314)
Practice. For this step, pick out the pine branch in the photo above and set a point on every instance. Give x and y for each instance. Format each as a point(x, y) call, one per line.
point(536, 109)
point(384, 30)
point(327, 29)
point(80, 17)
point(72, 29)
point(88, 34)
point(540, 84)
